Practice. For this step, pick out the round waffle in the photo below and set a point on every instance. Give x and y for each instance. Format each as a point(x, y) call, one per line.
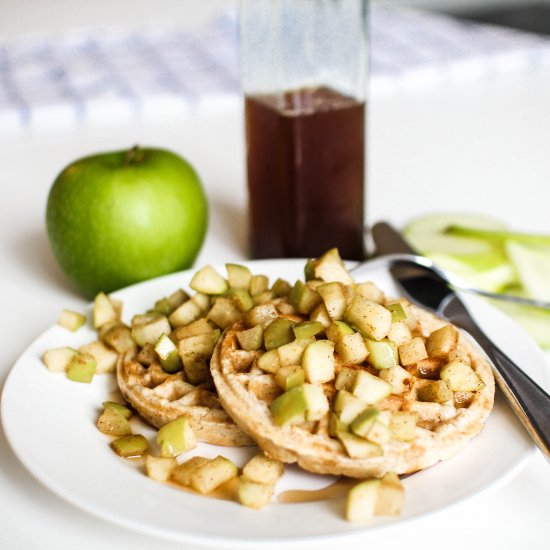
point(159, 398)
point(442, 429)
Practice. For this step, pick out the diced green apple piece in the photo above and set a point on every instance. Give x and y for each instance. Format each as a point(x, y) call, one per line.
point(307, 329)
point(348, 407)
point(208, 281)
point(436, 391)
point(159, 468)
point(130, 446)
point(176, 437)
point(269, 361)
point(361, 501)
point(71, 320)
point(105, 358)
point(364, 421)
point(370, 388)
point(281, 288)
point(412, 352)
point(460, 376)
point(81, 368)
point(352, 349)
point(278, 333)
point(398, 377)
point(254, 494)
point(238, 276)
point(358, 447)
point(290, 376)
point(213, 473)
point(118, 407)
point(264, 469)
point(118, 336)
point(262, 315)
point(169, 304)
point(147, 328)
point(111, 422)
point(382, 354)
point(291, 354)
point(371, 319)
point(403, 425)
point(397, 312)
point(318, 362)
point(330, 268)
point(391, 496)
point(168, 354)
point(185, 314)
point(251, 339)
point(58, 359)
point(295, 406)
point(345, 379)
point(104, 310)
point(258, 284)
point(400, 333)
point(224, 313)
point(182, 473)
point(303, 298)
point(370, 291)
point(442, 341)
point(241, 298)
point(334, 298)
point(337, 329)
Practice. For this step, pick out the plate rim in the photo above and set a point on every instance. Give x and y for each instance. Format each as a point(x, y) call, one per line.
point(213, 540)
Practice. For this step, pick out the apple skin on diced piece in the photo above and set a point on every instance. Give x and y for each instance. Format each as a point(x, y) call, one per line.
point(278, 333)
point(303, 298)
point(371, 319)
point(364, 421)
point(81, 368)
point(370, 388)
point(169, 304)
point(460, 376)
point(241, 299)
point(345, 379)
point(295, 406)
point(337, 329)
point(307, 329)
point(290, 376)
point(185, 314)
point(208, 281)
point(281, 288)
point(130, 446)
point(176, 437)
point(318, 362)
point(168, 354)
point(118, 336)
point(148, 327)
point(348, 407)
point(382, 354)
point(358, 447)
point(118, 407)
point(105, 358)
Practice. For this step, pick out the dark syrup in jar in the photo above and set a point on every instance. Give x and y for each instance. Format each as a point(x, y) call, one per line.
point(306, 165)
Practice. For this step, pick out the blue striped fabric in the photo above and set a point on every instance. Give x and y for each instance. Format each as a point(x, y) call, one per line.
point(117, 75)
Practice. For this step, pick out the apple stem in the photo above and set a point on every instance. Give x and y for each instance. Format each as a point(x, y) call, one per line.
point(133, 155)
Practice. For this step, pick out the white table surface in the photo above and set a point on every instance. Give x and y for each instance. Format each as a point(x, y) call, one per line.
point(479, 146)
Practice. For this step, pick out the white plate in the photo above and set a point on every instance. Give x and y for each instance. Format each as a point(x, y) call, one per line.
point(50, 423)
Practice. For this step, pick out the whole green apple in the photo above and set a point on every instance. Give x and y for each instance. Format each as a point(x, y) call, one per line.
point(117, 218)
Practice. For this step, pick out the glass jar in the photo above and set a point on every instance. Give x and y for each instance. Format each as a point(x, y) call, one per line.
point(304, 66)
